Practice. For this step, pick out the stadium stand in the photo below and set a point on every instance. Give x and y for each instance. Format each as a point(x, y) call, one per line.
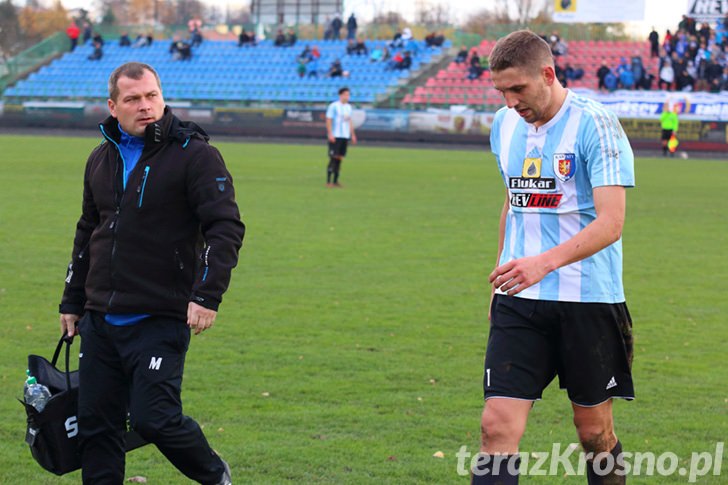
point(451, 86)
point(221, 72)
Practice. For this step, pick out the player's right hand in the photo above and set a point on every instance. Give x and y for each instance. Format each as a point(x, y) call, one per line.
point(332, 139)
point(68, 323)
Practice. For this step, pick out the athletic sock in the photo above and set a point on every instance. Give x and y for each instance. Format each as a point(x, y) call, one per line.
point(336, 177)
point(611, 478)
point(328, 176)
point(496, 470)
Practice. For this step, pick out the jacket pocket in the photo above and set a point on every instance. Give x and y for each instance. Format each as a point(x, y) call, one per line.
point(142, 187)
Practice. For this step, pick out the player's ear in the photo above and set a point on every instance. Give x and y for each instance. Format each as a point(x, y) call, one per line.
point(112, 107)
point(548, 74)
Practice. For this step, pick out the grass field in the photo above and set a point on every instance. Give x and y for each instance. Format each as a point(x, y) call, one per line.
point(349, 347)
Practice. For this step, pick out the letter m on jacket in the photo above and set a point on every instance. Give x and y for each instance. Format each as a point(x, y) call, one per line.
point(155, 363)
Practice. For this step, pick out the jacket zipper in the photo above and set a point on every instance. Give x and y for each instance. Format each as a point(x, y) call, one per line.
point(143, 185)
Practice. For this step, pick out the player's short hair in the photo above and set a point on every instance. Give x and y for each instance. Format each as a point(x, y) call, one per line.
point(344, 90)
point(132, 70)
point(521, 49)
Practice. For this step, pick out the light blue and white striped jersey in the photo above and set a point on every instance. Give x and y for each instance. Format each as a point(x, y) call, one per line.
point(340, 116)
point(550, 172)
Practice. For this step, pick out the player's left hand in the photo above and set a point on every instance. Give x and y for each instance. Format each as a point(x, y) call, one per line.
point(353, 139)
point(200, 318)
point(517, 275)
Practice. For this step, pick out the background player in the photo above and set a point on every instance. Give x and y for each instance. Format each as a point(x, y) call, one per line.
point(558, 304)
point(339, 129)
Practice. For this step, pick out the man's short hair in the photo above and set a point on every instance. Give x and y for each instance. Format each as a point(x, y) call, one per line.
point(343, 90)
point(132, 70)
point(521, 49)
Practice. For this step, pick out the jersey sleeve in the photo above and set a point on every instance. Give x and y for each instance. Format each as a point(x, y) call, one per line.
point(330, 111)
point(495, 139)
point(608, 154)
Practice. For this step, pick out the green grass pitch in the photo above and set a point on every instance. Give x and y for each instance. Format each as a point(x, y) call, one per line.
point(349, 347)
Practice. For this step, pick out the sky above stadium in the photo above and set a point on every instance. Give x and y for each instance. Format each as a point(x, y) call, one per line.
point(662, 14)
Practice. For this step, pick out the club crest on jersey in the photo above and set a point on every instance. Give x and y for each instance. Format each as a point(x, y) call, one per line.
point(564, 166)
point(531, 168)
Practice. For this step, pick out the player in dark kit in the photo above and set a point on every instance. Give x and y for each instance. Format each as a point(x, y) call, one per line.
point(339, 129)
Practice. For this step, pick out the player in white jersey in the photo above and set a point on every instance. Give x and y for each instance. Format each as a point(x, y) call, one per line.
point(558, 303)
point(339, 129)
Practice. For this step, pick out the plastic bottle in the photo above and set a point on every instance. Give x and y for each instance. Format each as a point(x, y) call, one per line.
point(36, 395)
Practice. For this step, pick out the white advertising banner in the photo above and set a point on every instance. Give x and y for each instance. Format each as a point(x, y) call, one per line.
point(574, 11)
point(707, 10)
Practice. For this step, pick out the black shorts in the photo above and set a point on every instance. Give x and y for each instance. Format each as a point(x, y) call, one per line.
point(666, 134)
point(338, 147)
point(588, 345)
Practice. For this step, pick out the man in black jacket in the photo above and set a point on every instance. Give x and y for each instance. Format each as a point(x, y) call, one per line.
point(157, 240)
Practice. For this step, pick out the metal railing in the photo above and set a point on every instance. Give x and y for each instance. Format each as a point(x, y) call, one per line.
point(29, 60)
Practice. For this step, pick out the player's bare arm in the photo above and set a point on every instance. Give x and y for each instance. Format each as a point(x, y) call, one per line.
point(501, 239)
point(353, 134)
point(329, 132)
point(519, 274)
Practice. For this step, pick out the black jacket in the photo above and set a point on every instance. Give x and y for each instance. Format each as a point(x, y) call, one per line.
point(170, 238)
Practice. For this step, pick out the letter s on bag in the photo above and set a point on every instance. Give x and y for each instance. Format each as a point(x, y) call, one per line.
point(71, 427)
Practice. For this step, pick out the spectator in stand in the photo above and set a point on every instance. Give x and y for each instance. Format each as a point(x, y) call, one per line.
point(379, 54)
point(246, 38)
point(96, 38)
point(336, 70)
point(305, 55)
point(73, 32)
point(667, 42)
point(667, 76)
point(280, 40)
point(397, 41)
point(654, 39)
point(434, 39)
point(396, 59)
point(142, 41)
point(573, 73)
point(462, 55)
point(558, 46)
point(98, 52)
point(357, 47)
point(336, 26)
point(87, 32)
point(351, 26)
point(194, 24)
point(405, 63)
point(124, 40)
point(291, 39)
point(475, 70)
point(704, 32)
point(683, 80)
point(723, 80)
point(638, 70)
point(195, 38)
point(625, 75)
point(560, 74)
point(180, 49)
point(602, 74)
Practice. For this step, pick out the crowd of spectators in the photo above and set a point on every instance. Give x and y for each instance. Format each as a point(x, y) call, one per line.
point(694, 58)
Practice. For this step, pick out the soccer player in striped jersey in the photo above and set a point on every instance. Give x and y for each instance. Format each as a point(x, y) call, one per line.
point(339, 129)
point(557, 305)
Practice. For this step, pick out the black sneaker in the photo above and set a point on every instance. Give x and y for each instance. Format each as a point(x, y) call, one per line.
point(226, 479)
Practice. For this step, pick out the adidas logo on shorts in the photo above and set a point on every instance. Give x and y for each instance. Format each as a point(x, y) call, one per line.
point(612, 383)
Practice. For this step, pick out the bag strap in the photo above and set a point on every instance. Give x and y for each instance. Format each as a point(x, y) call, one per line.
point(68, 340)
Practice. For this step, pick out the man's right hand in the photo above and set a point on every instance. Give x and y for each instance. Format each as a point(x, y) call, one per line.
point(68, 323)
point(332, 139)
